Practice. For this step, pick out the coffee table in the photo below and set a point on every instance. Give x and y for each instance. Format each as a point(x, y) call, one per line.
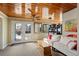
point(47, 49)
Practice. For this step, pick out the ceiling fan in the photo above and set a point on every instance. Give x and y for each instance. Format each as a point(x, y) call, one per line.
point(34, 15)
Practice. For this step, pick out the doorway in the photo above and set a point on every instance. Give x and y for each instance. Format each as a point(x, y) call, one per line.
point(22, 31)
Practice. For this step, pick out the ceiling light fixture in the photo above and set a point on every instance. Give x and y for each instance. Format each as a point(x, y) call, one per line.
point(51, 16)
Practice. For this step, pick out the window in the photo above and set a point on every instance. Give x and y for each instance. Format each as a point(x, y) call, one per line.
point(18, 8)
point(61, 17)
point(45, 12)
point(27, 6)
point(45, 28)
point(28, 28)
point(18, 31)
point(36, 9)
point(37, 27)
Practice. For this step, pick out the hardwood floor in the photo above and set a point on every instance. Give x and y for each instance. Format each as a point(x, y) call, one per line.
point(25, 49)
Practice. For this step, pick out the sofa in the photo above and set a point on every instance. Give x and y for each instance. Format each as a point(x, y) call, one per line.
point(61, 44)
point(64, 49)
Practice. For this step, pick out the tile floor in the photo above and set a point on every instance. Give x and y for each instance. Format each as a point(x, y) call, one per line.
point(25, 49)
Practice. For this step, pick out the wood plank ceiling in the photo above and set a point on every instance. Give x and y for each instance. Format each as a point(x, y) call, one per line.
point(8, 8)
point(65, 6)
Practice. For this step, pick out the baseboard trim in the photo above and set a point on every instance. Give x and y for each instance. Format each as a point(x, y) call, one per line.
point(11, 44)
point(4, 47)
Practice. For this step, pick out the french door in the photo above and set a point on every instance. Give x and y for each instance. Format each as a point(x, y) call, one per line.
point(23, 31)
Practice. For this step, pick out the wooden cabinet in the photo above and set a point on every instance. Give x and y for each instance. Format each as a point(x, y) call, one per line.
point(46, 48)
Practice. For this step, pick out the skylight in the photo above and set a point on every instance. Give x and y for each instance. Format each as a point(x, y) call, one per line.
point(45, 12)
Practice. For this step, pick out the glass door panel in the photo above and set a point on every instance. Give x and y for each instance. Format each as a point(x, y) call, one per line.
point(18, 31)
point(27, 31)
point(23, 32)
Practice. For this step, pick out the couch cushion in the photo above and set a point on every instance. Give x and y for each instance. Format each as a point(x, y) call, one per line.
point(55, 38)
point(64, 49)
point(65, 40)
point(71, 45)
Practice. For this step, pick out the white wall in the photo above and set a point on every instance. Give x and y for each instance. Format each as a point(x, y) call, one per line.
point(4, 34)
point(35, 36)
point(72, 14)
point(0, 32)
point(78, 26)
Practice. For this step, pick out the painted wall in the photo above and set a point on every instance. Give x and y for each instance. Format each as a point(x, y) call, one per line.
point(0, 32)
point(34, 36)
point(70, 15)
point(4, 29)
point(78, 26)
point(3, 36)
